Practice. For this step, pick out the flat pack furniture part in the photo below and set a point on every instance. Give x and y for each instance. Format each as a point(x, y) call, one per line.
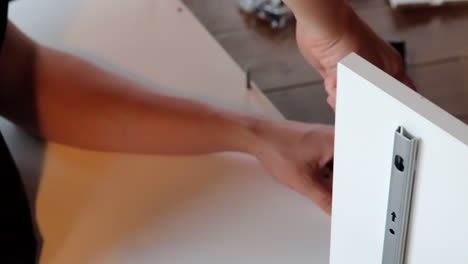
point(371, 106)
point(402, 3)
point(405, 150)
point(101, 208)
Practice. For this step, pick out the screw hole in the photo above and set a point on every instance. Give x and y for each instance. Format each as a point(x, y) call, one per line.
point(392, 232)
point(399, 163)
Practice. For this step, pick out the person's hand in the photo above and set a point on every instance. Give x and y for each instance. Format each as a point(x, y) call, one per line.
point(326, 34)
point(299, 156)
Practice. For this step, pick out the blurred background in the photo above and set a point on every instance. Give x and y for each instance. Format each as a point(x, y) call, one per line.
point(436, 41)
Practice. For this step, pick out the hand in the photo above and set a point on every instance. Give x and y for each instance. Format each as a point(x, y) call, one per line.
point(324, 42)
point(299, 156)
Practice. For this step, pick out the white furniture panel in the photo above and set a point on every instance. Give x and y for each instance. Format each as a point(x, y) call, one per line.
point(370, 107)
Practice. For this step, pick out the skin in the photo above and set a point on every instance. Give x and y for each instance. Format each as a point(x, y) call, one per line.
point(328, 30)
point(66, 99)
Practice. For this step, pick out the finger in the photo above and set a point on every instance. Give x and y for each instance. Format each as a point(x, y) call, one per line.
point(332, 102)
point(326, 177)
point(404, 78)
point(408, 82)
point(330, 84)
point(322, 196)
point(317, 192)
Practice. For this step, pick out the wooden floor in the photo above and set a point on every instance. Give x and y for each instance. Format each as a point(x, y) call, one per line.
point(436, 39)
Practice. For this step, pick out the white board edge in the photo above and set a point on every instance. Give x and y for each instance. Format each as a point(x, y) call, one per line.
point(407, 96)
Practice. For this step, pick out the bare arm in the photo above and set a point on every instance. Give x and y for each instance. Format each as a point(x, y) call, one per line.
point(68, 100)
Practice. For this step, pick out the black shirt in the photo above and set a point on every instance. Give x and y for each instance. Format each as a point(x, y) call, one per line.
point(17, 242)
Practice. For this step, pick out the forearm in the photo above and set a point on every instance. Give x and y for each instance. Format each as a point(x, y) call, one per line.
point(83, 105)
point(71, 101)
point(323, 17)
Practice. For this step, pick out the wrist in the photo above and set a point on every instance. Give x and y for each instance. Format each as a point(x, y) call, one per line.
point(346, 37)
point(323, 21)
point(241, 132)
point(268, 135)
point(253, 139)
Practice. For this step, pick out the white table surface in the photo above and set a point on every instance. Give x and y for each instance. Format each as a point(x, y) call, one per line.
point(114, 208)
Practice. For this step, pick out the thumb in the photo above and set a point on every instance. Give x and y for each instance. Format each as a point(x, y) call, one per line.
point(322, 196)
point(315, 188)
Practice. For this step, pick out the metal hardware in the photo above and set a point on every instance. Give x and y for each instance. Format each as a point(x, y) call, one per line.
point(400, 195)
point(274, 12)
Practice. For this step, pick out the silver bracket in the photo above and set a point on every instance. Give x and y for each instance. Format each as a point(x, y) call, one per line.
point(399, 199)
